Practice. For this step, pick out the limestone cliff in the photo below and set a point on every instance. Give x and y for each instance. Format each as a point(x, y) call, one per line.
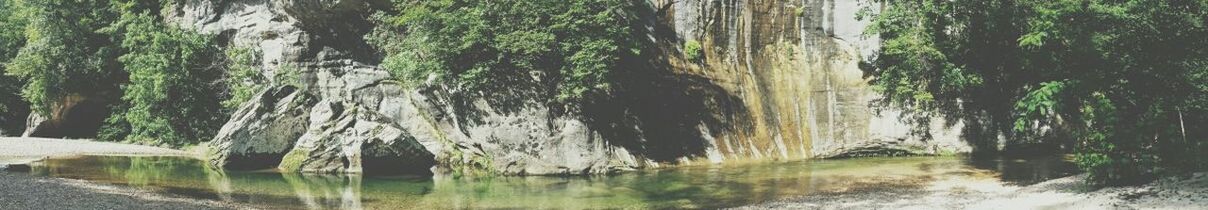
point(778, 81)
point(794, 66)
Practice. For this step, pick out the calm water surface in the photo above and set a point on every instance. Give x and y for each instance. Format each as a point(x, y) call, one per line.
point(684, 187)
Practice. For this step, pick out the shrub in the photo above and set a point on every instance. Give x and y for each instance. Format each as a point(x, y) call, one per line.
point(693, 50)
point(170, 96)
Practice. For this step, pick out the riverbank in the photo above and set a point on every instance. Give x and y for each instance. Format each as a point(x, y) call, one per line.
point(1189, 192)
point(21, 151)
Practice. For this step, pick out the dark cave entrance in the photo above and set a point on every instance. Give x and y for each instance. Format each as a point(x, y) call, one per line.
point(81, 120)
point(379, 159)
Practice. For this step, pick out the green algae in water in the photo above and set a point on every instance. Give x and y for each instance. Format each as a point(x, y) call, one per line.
point(685, 187)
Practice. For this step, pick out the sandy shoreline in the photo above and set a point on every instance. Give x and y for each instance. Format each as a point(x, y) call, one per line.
point(19, 151)
point(25, 191)
point(1187, 192)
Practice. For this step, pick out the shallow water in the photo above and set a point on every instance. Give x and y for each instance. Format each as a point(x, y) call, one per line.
point(713, 186)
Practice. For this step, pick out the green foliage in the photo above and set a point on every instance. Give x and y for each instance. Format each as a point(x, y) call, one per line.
point(243, 76)
point(566, 48)
point(1119, 76)
point(693, 50)
point(12, 108)
point(171, 71)
point(65, 54)
point(115, 128)
point(289, 75)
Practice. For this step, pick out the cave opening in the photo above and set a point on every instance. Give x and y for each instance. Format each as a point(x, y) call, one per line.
point(379, 159)
point(83, 120)
point(79, 120)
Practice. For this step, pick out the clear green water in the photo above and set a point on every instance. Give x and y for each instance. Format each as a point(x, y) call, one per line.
point(684, 187)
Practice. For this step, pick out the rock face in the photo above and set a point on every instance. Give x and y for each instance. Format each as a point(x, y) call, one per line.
point(36, 123)
point(262, 131)
point(778, 81)
point(794, 67)
point(350, 138)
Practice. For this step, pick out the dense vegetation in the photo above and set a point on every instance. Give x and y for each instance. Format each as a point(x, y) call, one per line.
point(171, 95)
point(1126, 79)
point(563, 51)
point(65, 54)
point(12, 107)
point(158, 80)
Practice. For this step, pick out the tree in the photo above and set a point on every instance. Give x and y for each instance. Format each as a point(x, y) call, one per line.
point(1119, 76)
point(173, 93)
point(14, 109)
point(243, 76)
point(556, 50)
point(65, 54)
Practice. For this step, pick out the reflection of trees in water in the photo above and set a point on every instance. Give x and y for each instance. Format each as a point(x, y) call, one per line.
point(219, 182)
point(686, 187)
point(145, 171)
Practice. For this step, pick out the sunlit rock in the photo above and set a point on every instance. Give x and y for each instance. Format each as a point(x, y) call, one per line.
point(344, 138)
point(262, 130)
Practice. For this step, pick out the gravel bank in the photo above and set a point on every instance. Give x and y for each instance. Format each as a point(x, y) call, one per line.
point(1189, 192)
point(22, 191)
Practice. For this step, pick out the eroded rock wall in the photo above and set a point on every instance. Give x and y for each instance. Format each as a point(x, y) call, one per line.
point(775, 83)
point(794, 65)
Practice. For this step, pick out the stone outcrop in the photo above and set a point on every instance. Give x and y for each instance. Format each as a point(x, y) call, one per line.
point(778, 81)
point(350, 138)
point(794, 65)
point(263, 130)
point(35, 123)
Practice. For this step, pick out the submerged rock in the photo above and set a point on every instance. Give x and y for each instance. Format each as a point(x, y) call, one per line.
point(262, 130)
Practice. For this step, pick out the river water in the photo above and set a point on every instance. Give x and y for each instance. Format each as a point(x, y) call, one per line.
point(713, 186)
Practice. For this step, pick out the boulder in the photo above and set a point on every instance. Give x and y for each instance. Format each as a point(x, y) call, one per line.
point(262, 130)
point(35, 125)
point(345, 138)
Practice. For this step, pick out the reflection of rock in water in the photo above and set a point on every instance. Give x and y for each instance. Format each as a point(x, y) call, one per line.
point(220, 183)
point(326, 192)
point(717, 186)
